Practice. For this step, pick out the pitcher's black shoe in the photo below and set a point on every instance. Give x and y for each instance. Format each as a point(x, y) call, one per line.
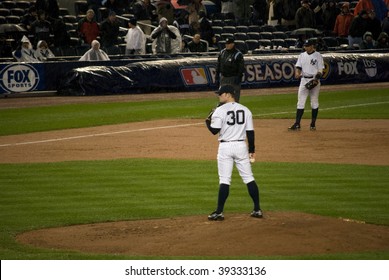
point(294, 127)
point(214, 216)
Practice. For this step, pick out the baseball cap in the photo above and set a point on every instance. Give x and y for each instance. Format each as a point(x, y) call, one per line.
point(226, 89)
point(132, 21)
point(309, 43)
point(163, 19)
point(230, 40)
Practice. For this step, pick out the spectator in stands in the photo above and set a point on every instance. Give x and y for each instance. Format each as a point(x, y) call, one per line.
point(242, 12)
point(368, 41)
point(61, 36)
point(117, 6)
point(260, 12)
point(182, 22)
point(29, 18)
point(377, 5)
point(109, 31)
point(385, 24)
point(88, 29)
point(41, 28)
point(329, 16)
point(194, 8)
point(165, 10)
point(206, 30)
point(95, 5)
point(228, 8)
point(52, 10)
point(374, 24)
point(6, 47)
point(358, 27)
point(42, 51)
point(300, 41)
point(196, 45)
point(145, 13)
point(163, 37)
point(343, 21)
point(25, 53)
point(94, 53)
point(135, 39)
point(305, 17)
point(382, 41)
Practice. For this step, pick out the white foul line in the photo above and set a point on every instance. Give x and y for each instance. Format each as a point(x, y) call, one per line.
point(166, 127)
point(326, 109)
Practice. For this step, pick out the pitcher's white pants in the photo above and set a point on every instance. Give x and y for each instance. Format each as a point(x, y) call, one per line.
point(230, 153)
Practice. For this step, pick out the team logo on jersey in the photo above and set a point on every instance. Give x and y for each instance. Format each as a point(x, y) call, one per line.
point(313, 61)
point(194, 76)
point(19, 78)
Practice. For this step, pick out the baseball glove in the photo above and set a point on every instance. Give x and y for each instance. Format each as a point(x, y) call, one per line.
point(212, 111)
point(311, 84)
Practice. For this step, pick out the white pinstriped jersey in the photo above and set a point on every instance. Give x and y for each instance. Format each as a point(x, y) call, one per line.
point(234, 120)
point(310, 63)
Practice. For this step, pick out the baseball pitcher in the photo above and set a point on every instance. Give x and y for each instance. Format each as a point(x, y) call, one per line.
point(234, 123)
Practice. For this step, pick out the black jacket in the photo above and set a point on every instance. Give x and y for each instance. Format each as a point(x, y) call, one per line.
point(230, 63)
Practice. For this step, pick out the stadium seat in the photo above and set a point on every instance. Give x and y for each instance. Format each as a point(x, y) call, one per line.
point(229, 29)
point(2, 20)
point(252, 44)
point(266, 35)
point(254, 28)
point(241, 36)
point(80, 7)
point(290, 42)
point(9, 4)
point(229, 22)
point(268, 28)
point(13, 19)
point(22, 4)
point(264, 43)
point(17, 12)
point(221, 45)
point(5, 12)
point(278, 43)
point(241, 45)
point(253, 35)
point(279, 35)
point(242, 28)
point(331, 42)
point(63, 11)
point(280, 27)
point(217, 29)
point(69, 19)
point(224, 36)
point(217, 22)
point(342, 40)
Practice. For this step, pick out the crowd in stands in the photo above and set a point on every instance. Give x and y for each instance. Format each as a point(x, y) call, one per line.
point(136, 27)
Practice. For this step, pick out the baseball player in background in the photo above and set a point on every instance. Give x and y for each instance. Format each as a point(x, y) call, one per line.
point(234, 123)
point(309, 68)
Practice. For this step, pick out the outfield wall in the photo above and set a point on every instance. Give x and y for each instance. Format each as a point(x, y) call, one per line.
point(181, 74)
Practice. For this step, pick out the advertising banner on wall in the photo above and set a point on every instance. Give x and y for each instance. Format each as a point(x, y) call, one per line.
point(182, 74)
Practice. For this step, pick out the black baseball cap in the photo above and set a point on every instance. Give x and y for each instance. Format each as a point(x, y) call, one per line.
point(230, 40)
point(226, 89)
point(309, 43)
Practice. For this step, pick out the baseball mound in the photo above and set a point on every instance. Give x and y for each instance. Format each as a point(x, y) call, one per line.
point(278, 233)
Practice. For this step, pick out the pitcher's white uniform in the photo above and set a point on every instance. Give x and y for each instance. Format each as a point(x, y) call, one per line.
point(310, 65)
point(233, 120)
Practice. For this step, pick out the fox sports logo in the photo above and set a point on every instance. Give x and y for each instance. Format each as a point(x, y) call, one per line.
point(19, 78)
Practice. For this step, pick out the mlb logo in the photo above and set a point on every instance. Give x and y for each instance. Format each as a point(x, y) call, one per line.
point(194, 76)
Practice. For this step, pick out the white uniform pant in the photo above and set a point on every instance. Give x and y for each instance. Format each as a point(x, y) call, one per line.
point(303, 93)
point(230, 153)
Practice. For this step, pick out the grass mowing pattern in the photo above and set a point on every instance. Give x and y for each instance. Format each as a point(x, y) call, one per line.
point(24, 120)
point(36, 196)
point(57, 194)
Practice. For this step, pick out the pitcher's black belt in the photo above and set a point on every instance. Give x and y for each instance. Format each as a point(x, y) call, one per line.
point(308, 77)
point(224, 141)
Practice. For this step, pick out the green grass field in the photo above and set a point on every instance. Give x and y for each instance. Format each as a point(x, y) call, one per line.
point(42, 195)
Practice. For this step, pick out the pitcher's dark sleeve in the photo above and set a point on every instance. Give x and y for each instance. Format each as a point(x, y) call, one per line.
point(251, 140)
point(214, 131)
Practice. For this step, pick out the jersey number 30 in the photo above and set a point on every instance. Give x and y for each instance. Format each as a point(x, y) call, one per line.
point(236, 117)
